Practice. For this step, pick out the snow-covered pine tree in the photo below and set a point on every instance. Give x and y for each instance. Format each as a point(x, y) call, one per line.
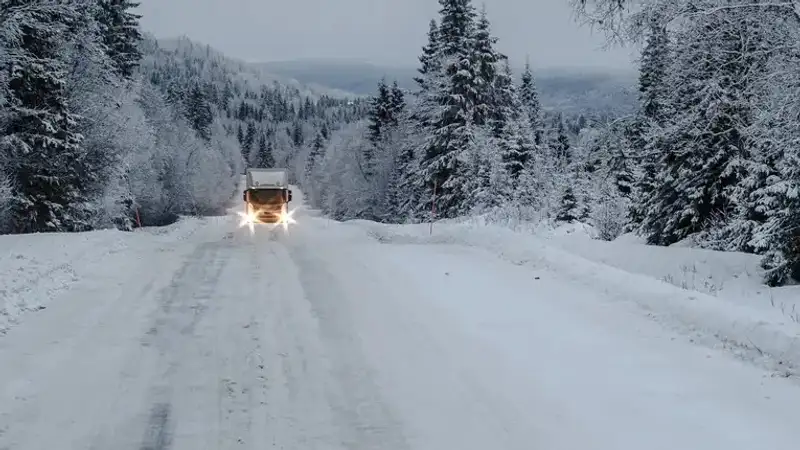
point(249, 141)
point(446, 162)
point(380, 113)
point(313, 156)
point(561, 147)
point(529, 97)
point(511, 127)
point(297, 135)
point(485, 63)
point(652, 114)
point(768, 199)
point(240, 137)
point(402, 186)
point(430, 58)
point(40, 143)
point(198, 112)
point(94, 93)
point(707, 142)
point(569, 210)
point(265, 158)
point(121, 35)
point(397, 102)
point(311, 176)
point(779, 237)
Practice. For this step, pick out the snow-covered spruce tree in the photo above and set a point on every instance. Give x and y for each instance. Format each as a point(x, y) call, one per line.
point(397, 102)
point(430, 59)
point(249, 142)
point(511, 127)
point(406, 187)
point(403, 189)
point(652, 97)
point(769, 198)
point(713, 75)
point(40, 141)
point(121, 35)
point(310, 179)
point(529, 97)
point(382, 161)
point(379, 113)
point(447, 158)
point(198, 112)
point(485, 62)
point(562, 150)
point(779, 237)
point(264, 158)
point(424, 107)
point(568, 210)
point(773, 58)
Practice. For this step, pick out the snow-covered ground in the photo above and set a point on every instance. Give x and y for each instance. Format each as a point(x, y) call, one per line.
point(359, 335)
point(711, 298)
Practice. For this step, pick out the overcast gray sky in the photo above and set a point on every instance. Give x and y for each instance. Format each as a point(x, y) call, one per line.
point(378, 31)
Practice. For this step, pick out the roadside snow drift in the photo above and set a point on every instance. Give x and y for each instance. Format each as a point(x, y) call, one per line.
point(685, 289)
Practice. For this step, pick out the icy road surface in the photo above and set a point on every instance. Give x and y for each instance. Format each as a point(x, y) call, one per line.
point(328, 339)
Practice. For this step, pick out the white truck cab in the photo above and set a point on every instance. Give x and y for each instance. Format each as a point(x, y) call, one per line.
point(267, 194)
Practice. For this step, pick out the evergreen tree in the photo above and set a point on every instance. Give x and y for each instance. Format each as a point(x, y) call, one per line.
point(561, 147)
point(568, 210)
point(429, 60)
point(529, 97)
point(505, 101)
point(265, 158)
point(443, 166)
point(314, 156)
point(380, 113)
point(485, 64)
point(198, 112)
point(708, 140)
point(778, 238)
point(298, 139)
point(397, 102)
point(40, 144)
point(240, 135)
point(652, 96)
point(653, 70)
point(511, 127)
point(121, 35)
point(250, 138)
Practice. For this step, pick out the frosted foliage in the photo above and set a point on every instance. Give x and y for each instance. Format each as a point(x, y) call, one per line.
point(609, 215)
point(5, 197)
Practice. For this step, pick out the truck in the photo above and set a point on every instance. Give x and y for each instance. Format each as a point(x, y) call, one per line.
point(267, 194)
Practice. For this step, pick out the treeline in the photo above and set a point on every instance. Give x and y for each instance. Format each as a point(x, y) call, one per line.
point(269, 123)
point(103, 127)
point(715, 139)
point(471, 139)
point(710, 154)
point(85, 142)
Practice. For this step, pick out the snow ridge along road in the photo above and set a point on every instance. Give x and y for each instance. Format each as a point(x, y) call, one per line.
point(323, 338)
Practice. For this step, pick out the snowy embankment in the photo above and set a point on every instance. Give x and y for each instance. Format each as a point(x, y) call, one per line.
point(37, 268)
point(713, 298)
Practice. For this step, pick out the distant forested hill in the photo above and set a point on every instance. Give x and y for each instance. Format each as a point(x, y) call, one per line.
point(571, 91)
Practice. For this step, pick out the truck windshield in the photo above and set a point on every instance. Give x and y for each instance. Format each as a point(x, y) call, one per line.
point(266, 196)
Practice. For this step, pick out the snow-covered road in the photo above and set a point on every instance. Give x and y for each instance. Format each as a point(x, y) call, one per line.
point(328, 339)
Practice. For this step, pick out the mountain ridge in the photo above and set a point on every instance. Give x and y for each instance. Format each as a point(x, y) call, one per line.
point(560, 88)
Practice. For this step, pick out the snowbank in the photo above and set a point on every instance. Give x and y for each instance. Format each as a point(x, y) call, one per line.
point(712, 297)
point(37, 268)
